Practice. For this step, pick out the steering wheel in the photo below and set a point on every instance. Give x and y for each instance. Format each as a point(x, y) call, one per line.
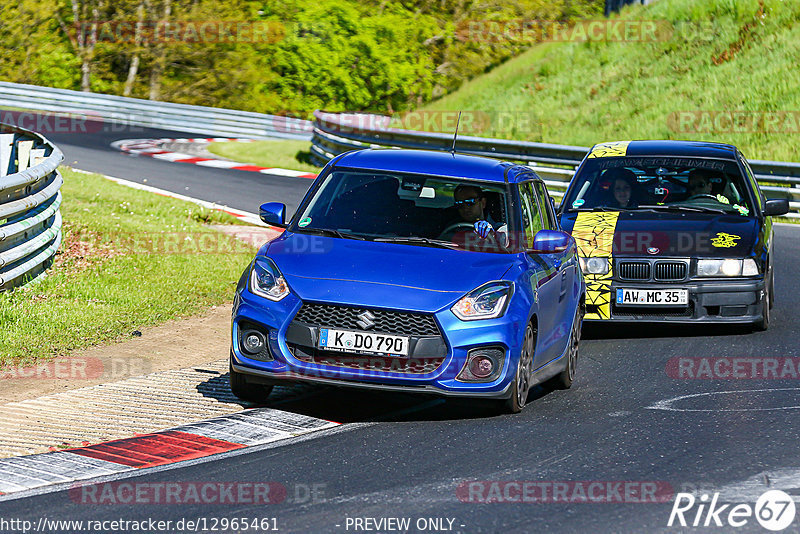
point(455, 228)
point(450, 232)
point(702, 196)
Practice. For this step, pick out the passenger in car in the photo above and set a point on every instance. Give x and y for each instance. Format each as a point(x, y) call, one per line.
point(623, 188)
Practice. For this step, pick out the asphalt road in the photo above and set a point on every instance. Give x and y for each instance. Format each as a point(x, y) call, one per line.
point(91, 151)
point(407, 456)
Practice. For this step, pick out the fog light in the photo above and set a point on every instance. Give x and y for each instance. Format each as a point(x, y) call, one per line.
point(481, 367)
point(253, 342)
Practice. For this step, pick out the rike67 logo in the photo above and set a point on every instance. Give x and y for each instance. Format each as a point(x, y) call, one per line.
point(774, 510)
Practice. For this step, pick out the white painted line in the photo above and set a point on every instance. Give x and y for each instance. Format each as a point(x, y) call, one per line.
point(668, 403)
point(219, 163)
point(284, 172)
point(173, 156)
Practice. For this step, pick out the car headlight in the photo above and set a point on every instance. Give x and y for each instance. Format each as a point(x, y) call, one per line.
point(487, 302)
point(594, 265)
point(267, 281)
point(727, 267)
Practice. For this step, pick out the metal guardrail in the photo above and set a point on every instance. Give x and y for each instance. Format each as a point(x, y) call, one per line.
point(217, 122)
point(30, 197)
point(335, 133)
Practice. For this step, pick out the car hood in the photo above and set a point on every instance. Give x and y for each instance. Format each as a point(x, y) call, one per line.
point(367, 273)
point(677, 234)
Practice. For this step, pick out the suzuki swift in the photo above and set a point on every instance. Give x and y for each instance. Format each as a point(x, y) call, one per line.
point(412, 271)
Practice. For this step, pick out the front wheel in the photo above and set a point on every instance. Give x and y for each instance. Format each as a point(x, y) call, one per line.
point(564, 379)
point(248, 391)
point(521, 385)
point(766, 306)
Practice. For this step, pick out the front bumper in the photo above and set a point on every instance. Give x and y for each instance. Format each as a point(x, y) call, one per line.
point(710, 301)
point(287, 365)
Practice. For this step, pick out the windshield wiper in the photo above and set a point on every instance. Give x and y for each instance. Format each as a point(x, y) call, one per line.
point(332, 232)
point(601, 208)
point(680, 207)
point(417, 240)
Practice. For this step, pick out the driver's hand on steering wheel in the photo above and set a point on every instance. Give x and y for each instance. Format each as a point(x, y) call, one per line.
point(483, 228)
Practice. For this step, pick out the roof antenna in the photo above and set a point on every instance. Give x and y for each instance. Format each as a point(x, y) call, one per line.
point(455, 135)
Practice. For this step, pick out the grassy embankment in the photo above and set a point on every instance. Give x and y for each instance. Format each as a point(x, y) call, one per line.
point(129, 259)
point(711, 56)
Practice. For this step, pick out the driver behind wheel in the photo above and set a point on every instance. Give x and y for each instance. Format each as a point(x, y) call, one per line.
point(700, 183)
point(471, 204)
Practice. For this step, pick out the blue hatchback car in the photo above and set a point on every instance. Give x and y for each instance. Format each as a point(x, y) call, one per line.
point(412, 271)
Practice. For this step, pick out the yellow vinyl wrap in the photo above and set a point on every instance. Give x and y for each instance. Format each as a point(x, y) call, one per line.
point(609, 150)
point(594, 235)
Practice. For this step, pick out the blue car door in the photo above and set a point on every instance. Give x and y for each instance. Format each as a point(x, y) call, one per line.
point(543, 273)
point(567, 264)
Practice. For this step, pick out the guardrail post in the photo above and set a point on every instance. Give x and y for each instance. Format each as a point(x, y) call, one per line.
point(30, 222)
point(6, 149)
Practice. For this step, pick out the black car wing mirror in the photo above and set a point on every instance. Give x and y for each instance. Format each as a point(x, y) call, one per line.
point(776, 206)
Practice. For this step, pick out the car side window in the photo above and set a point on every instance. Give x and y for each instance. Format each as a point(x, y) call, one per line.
point(548, 217)
point(753, 182)
point(531, 215)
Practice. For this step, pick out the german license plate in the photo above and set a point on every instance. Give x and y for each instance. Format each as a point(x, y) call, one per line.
point(349, 341)
point(652, 297)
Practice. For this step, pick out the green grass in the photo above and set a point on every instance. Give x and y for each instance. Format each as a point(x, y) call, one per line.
point(581, 93)
point(282, 153)
point(108, 282)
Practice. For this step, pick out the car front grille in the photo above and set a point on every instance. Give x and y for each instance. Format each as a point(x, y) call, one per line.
point(633, 270)
point(383, 364)
point(391, 322)
point(666, 271)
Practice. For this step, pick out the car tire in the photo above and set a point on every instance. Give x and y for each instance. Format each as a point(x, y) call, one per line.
point(248, 391)
point(771, 288)
point(565, 378)
point(766, 306)
point(521, 385)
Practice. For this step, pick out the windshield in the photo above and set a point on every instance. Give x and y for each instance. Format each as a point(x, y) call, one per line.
point(659, 183)
point(407, 209)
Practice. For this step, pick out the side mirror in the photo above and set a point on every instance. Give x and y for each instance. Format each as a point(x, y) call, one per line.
point(776, 206)
point(550, 241)
point(273, 213)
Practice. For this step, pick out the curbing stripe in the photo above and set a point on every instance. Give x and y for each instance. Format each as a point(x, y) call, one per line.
point(153, 148)
point(184, 443)
point(162, 448)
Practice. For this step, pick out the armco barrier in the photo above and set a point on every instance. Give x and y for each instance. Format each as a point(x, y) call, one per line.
point(335, 133)
point(30, 223)
point(119, 110)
